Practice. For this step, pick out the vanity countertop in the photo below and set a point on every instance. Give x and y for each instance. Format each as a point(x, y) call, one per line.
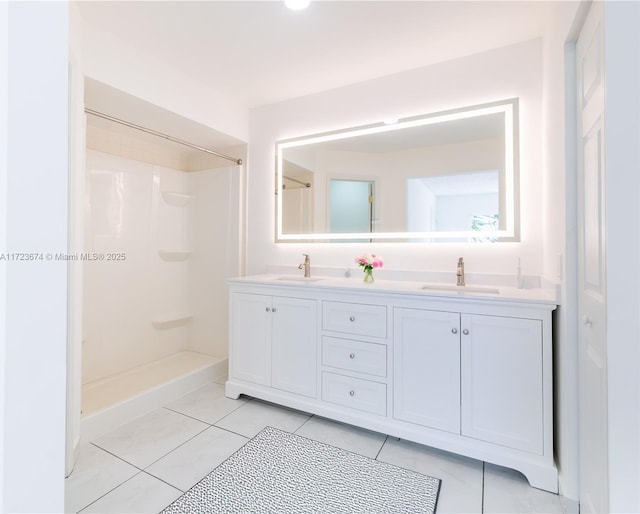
point(420, 288)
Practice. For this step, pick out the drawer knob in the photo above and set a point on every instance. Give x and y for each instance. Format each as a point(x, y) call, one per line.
point(352, 393)
point(454, 330)
point(352, 318)
point(352, 355)
point(465, 332)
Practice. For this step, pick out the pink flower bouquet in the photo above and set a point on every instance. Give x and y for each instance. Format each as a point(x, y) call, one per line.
point(367, 262)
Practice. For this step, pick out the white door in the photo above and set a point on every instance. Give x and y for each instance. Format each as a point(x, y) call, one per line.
point(592, 345)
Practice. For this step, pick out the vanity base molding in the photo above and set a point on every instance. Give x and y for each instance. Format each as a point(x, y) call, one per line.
point(537, 470)
point(481, 387)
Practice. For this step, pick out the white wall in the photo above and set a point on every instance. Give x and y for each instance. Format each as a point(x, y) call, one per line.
point(33, 427)
point(421, 204)
point(509, 72)
point(622, 162)
point(4, 170)
point(111, 61)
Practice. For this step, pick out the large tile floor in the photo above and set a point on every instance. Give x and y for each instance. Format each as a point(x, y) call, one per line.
point(143, 466)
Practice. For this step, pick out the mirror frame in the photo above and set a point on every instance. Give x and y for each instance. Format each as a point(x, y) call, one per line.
point(511, 230)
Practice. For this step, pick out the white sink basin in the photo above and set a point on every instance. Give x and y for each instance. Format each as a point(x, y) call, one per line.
point(461, 289)
point(294, 278)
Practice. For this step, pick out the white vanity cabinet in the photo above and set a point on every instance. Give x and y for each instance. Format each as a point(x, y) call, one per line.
point(426, 350)
point(475, 375)
point(501, 368)
point(274, 342)
point(466, 373)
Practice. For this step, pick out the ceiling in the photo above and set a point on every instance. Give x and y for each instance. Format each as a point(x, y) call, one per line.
point(260, 52)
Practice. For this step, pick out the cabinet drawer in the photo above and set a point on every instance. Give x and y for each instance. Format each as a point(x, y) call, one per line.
point(370, 358)
point(355, 318)
point(355, 393)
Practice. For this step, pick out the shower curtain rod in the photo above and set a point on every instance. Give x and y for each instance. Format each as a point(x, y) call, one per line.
point(305, 184)
point(160, 134)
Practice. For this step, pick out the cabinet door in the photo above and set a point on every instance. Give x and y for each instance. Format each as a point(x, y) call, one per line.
point(250, 354)
point(502, 381)
point(294, 348)
point(426, 384)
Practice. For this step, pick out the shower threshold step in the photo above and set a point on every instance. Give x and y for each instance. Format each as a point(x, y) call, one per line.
point(112, 401)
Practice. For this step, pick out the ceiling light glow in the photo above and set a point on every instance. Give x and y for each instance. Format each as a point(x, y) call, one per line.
point(297, 5)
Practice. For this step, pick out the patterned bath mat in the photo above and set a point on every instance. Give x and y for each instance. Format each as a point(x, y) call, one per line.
point(281, 473)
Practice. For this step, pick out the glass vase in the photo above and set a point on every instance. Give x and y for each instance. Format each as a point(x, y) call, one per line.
point(368, 276)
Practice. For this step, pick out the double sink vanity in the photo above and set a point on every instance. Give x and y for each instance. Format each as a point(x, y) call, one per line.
point(463, 369)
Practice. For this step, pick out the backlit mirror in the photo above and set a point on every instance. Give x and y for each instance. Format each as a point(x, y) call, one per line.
point(447, 176)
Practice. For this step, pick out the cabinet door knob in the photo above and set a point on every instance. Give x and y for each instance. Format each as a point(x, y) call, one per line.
point(268, 309)
point(465, 332)
point(586, 320)
point(352, 393)
point(454, 330)
point(352, 355)
point(273, 310)
point(352, 318)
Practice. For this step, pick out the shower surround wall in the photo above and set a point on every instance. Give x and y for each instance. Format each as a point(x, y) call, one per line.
point(160, 241)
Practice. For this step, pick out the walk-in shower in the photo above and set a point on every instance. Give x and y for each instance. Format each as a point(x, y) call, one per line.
point(161, 235)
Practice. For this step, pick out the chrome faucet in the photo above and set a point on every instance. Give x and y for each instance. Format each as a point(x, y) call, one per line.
point(460, 272)
point(306, 265)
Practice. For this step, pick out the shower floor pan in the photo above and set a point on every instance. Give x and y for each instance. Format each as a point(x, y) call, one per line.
point(113, 401)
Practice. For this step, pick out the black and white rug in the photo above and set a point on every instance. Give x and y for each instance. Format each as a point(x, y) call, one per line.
point(279, 472)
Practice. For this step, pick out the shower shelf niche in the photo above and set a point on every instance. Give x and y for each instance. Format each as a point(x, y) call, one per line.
point(174, 254)
point(176, 199)
point(171, 320)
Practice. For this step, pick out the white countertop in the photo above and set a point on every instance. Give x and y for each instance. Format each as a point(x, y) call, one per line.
point(356, 284)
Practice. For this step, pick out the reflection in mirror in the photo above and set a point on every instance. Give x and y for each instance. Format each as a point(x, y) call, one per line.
point(454, 203)
point(350, 206)
point(449, 176)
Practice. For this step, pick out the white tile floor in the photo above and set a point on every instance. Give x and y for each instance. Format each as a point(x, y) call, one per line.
point(143, 466)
